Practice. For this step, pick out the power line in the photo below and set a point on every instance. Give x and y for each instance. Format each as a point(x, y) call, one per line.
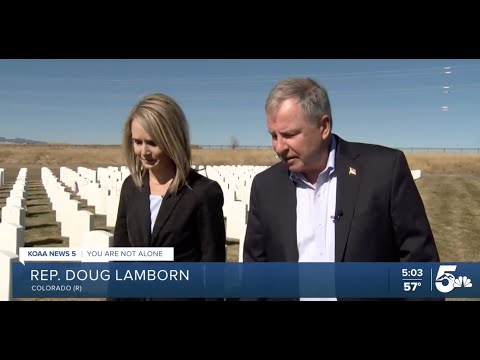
point(447, 70)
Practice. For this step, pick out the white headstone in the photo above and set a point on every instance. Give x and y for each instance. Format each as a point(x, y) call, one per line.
point(13, 214)
point(416, 174)
point(7, 259)
point(12, 237)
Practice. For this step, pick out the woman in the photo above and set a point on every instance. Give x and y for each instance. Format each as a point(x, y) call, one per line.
point(164, 202)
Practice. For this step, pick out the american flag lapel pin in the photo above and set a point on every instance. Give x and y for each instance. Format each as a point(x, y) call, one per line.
point(352, 171)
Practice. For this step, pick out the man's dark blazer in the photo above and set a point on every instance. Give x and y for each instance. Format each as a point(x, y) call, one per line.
point(383, 218)
point(190, 221)
point(382, 214)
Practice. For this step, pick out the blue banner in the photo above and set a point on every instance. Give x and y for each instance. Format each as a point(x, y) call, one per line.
point(245, 280)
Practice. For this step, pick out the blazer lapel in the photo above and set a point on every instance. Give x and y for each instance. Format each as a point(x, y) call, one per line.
point(287, 207)
point(349, 174)
point(143, 214)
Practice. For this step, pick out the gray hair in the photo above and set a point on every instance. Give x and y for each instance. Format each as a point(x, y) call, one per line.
point(313, 97)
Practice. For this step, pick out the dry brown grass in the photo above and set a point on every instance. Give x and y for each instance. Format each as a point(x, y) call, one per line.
point(100, 155)
point(449, 186)
point(445, 163)
point(60, 155)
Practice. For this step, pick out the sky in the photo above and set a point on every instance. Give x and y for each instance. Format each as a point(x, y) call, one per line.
point(395, 103)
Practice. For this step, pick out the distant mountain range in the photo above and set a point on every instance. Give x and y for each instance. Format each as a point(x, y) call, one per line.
point(20, 141)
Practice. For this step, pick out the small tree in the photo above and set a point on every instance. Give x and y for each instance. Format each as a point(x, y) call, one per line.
point(234, 143)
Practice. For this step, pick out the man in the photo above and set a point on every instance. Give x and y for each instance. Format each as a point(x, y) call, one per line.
point(330, 200)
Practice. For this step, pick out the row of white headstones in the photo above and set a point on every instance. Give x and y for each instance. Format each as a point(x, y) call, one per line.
point(101, 188)
point(12, 229)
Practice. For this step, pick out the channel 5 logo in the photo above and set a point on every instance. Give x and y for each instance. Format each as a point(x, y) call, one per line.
point(445, 281)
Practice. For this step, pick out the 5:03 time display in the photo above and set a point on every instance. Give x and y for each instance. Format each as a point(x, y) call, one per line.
point(412, 272)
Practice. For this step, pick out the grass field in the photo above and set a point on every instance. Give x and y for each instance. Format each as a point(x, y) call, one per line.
point(449, 186)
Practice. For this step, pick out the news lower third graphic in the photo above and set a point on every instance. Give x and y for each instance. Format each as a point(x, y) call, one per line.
point(151, 273)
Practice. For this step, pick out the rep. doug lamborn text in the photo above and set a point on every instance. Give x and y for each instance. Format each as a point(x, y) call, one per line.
point(106, 275)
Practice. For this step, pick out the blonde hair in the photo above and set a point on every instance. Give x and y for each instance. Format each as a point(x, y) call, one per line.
point(167, 125)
